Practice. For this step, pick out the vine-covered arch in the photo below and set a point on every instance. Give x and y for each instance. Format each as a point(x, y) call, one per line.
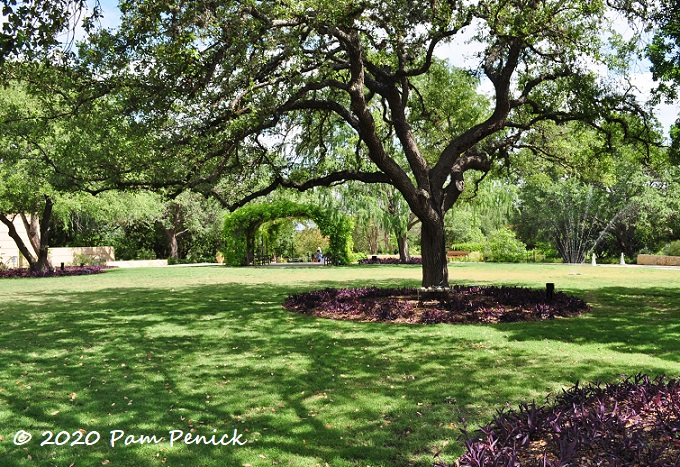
point(241, 226)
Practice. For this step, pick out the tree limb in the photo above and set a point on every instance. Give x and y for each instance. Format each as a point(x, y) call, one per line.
point(328, 180)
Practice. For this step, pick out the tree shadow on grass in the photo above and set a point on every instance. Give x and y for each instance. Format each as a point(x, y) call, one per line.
point(302, 390)
point(624, 319)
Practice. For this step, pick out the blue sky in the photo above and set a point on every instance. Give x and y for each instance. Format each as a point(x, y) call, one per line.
point(111, 13)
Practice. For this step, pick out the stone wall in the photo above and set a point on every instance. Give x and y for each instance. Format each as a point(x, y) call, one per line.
point(9, 253)
point(75, 255)
point(12, 258)
point(658, 260)
point(139, 263)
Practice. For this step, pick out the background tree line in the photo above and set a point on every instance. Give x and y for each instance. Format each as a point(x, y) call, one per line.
point(311, 95)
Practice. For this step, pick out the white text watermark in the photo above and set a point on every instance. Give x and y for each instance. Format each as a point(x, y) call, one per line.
point(117, 438)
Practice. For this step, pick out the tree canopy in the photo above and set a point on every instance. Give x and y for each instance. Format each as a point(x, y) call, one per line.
point(664, 53)
point(259, 89)
point(240, 98)
point(34, 26)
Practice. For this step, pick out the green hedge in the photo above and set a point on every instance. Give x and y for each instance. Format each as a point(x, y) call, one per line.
point(469, 246)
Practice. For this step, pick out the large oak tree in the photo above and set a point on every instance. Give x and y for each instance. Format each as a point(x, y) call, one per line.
point(239, 87)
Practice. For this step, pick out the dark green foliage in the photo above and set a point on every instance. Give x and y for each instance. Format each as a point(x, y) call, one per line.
point(664, 53)
point(140, 240)
point(673, 248)
point(674, 151)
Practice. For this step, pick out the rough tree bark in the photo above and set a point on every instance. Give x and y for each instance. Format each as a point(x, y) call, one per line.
point(173, 232)
point(433, 249)
point(173, 244)
point(38, 230)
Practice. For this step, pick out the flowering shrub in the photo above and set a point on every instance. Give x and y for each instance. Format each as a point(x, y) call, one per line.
point(412, 260)
point(460, 304)
point(632, 423)
point(68, 271)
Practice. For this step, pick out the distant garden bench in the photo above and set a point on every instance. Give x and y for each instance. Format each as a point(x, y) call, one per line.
point(295, 259)
point(328, 260)
point(456, 254)
point(262, 260)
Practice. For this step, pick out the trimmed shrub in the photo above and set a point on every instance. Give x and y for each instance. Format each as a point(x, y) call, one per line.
point(673, 248)
point(505, 247)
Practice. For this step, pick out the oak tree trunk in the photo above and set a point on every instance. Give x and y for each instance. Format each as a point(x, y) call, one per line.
point(14, 235)
point(44, 264)
point(38, 230)
point(173, 245)
point(433, 249)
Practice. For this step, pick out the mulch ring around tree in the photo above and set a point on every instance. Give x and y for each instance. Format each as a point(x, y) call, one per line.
point(455, 305)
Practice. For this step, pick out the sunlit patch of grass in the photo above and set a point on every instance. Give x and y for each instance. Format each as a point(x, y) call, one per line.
point(210, 350)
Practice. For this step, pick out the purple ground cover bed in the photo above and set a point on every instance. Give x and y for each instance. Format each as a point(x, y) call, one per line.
point(632, 423)
point(460, 304)
point(68, 271)
point(412, 260)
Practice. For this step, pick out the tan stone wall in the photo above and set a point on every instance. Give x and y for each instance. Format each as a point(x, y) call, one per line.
point(139, 263)
point(9, 253)
point(658, 260)
point(70, 256)
point(11, 257)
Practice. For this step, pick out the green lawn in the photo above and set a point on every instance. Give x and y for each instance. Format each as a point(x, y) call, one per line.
point(209, 350)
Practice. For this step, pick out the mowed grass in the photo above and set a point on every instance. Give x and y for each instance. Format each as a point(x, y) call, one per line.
point(209, 350)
